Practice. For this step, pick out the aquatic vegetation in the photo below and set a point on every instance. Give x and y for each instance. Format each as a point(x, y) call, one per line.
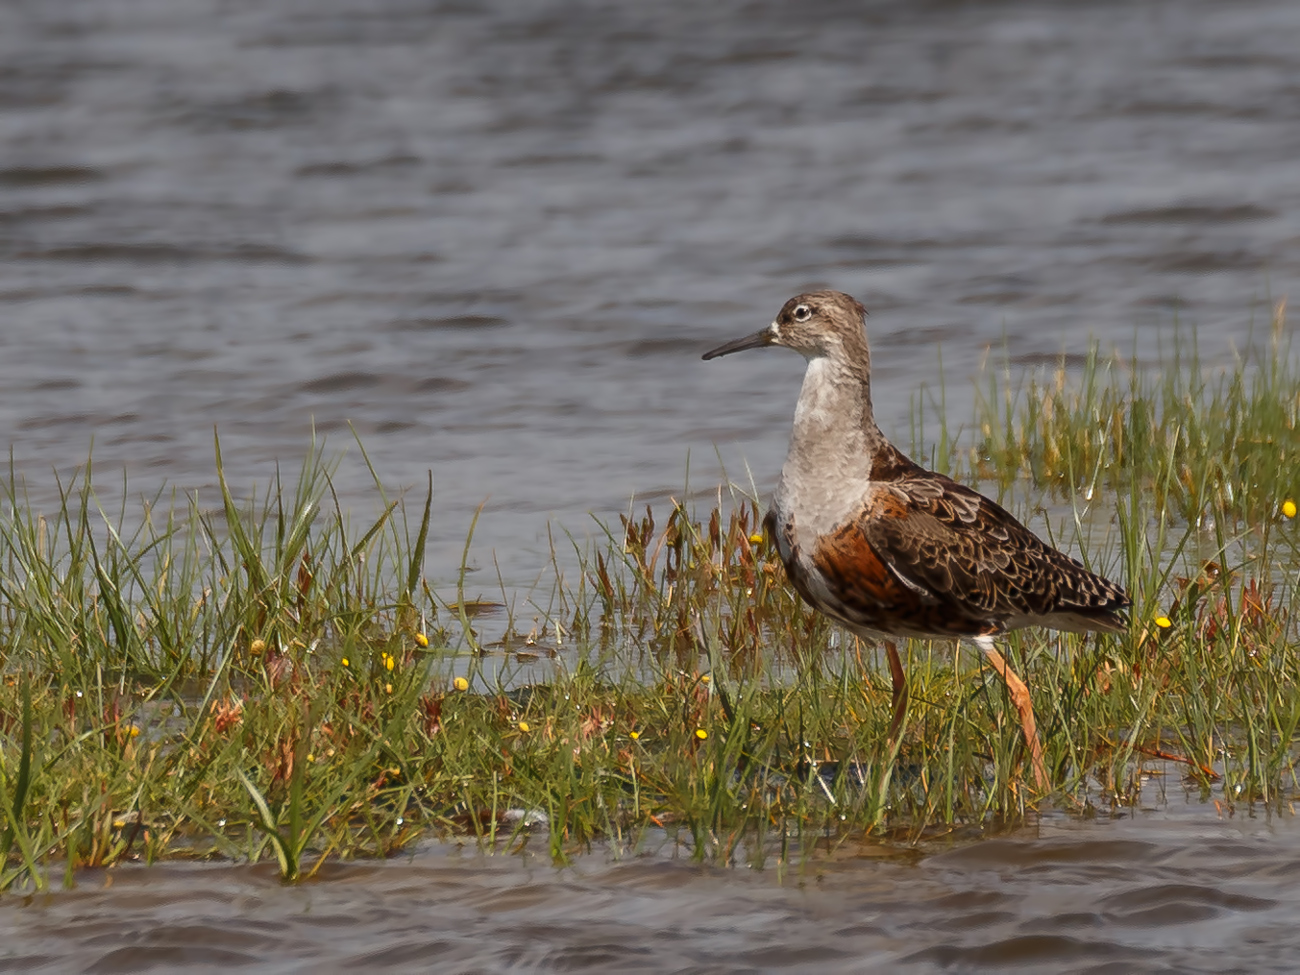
point(1221, 441)
point(264, 678)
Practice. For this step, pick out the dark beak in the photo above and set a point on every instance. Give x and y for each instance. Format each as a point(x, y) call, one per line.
point(756, 341)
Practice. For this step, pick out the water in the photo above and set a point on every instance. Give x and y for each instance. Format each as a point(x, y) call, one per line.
point(495, 237)
point(1185, 890)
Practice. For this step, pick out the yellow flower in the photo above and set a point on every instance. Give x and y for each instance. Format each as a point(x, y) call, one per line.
point(701, 734)
point(345, 662)
point(1164, 622)
point(461, 684)
point(388, 688)
point(258, 646)
point(421, 639)
point(705, 678)
point(523, 725)
point(634, 735)
point(1288, 508)
point(756, 538)
point(389, 662)
point(135, 731)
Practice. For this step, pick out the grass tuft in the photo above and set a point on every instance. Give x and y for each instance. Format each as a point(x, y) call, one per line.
point(266, 679)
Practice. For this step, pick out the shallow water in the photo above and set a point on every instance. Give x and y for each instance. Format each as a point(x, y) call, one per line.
point(1180, 890)
point(495, 237)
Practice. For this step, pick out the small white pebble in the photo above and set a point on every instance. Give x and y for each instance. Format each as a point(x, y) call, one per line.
point(526, 817)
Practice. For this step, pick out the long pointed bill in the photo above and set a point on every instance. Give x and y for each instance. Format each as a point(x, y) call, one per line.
point(764, 336)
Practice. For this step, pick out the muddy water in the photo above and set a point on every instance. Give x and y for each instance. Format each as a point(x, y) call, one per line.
point(496, 236)
point(1183, 890)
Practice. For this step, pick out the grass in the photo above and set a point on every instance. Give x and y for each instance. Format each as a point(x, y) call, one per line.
point(262, 678)
point(1221, 441)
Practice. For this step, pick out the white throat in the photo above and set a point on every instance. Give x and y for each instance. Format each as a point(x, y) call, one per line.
point(827, 470)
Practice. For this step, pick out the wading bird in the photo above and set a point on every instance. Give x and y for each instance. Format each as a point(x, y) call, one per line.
point(892, 550)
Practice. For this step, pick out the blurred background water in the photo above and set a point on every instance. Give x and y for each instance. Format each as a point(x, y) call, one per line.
point(495, 237)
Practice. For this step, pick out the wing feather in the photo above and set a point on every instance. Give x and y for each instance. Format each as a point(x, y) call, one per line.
point(968, 552)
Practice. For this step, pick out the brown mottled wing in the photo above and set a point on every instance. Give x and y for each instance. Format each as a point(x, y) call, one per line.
point(969, 554)
point(850, 581)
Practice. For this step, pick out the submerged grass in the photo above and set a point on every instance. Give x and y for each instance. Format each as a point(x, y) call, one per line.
point(263, 678)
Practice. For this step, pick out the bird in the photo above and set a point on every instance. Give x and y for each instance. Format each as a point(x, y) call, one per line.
point(891, 550)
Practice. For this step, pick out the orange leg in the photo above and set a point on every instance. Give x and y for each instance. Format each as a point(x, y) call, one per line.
point(900, 689)
point(1020, 698)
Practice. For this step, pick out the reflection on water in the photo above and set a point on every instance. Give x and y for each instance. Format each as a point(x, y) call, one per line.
point(1184, 889)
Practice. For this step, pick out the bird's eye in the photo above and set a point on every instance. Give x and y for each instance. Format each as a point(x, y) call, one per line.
point(802, 313)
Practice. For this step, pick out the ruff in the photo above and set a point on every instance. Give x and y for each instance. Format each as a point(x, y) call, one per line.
point(891, 550)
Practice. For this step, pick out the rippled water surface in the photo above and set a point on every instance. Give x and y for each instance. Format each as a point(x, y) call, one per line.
point(495, 238)
point(1179, 891)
